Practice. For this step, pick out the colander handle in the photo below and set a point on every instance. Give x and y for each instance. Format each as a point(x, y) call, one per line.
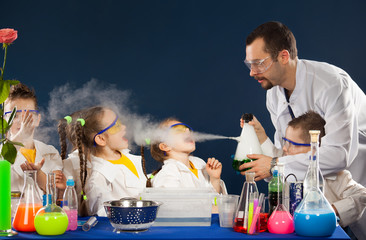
point(128, 198)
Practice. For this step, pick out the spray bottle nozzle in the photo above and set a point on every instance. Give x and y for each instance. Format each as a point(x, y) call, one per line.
point(247, 117)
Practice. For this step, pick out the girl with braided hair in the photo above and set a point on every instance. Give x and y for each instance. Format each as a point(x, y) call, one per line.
point(180, 169)
point(115, 173)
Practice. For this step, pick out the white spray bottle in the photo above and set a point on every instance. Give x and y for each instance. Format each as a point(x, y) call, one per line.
point(248, 143)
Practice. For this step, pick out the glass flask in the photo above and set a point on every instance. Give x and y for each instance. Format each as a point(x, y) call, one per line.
point(29, 203)
point(314, 217)
point(242, 217)
point(51, 219)
point(248, 144)
point(280, 221)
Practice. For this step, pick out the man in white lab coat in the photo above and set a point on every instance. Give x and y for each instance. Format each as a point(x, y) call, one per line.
point(296, 86)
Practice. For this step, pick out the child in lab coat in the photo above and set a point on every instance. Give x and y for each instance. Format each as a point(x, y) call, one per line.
point(180, 169)
point(33, 155)
point(347, 197)
point(115, 173)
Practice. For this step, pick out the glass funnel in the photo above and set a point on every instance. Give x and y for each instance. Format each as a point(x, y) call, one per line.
point(314, 217)
point(280, 221)
point(242, 215)
point(51, 219)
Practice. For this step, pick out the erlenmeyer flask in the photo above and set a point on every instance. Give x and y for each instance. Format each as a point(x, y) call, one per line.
point(242, 217)
point(248, 143)
point(51, 219)
point(280, 221)
point(314, 216)
point(29, 203)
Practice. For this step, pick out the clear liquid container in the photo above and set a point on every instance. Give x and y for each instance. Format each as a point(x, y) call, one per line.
point(248, 144)
point(280, 221)
point(243, 216)
point(314, 217)
point(51, 219)
point(70, 204)
point(29, 204)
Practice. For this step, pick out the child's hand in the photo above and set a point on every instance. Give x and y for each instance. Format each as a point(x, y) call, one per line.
point(27, 126)
point(60, 179)
point(32, 166)
point(213, 168)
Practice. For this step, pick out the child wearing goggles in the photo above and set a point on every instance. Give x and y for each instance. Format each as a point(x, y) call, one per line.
point(347, 197)
point(33, 155)
point(180, 169)
point(98, 137)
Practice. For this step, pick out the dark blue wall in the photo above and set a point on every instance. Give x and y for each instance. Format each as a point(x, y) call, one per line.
point(177, 58)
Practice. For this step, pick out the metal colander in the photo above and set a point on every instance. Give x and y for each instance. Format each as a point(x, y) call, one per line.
point(131, 214)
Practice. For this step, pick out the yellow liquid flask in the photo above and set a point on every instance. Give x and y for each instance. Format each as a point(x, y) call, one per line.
point(51, 219)
point(314, 217)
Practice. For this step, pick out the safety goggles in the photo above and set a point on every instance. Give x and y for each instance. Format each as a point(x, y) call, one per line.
point(288, 143)
point(114, 128)
point(258, 66)
point(7, 114)
point(180, 127)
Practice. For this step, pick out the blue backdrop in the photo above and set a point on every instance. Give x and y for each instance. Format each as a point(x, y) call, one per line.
point(176, 58)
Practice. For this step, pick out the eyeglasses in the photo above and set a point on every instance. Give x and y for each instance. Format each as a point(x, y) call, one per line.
point(114, 128)
point(258, 66)
point(288, 143)
point(181, 127)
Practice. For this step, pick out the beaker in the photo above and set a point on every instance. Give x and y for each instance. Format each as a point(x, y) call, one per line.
point(314, 217)
point(248, 144)
point(29, 203)
point(242, 212)
point(51, 219)
point(280, 221)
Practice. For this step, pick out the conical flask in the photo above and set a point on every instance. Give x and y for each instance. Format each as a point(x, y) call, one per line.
point(29, 203)
point(51, 219)
point(280, 221)
point(248, 143)
point(242, 215)
point(314, 217)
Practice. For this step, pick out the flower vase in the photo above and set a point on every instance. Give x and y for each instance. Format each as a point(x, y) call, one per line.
point(5, 199)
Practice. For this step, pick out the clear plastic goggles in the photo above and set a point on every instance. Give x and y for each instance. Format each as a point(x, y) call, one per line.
point(258, 66)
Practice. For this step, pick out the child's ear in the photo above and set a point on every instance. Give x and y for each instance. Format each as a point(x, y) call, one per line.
point(164, 147)
point(100, 140)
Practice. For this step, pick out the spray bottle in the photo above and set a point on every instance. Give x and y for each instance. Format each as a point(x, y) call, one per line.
point(248, 143)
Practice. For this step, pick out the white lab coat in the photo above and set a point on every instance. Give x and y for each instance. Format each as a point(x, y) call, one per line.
point(110, 181)
point(348, 196)
point(174, 174)
point(72, 168)
point(329, 91)
point(52, 162)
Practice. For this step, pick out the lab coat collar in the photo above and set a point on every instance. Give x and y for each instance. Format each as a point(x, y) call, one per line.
point(197, 164)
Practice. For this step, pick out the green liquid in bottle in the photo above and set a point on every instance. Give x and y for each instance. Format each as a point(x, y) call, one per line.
point(236, 164)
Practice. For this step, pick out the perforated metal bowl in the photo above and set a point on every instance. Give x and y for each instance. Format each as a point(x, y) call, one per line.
point(131, 214)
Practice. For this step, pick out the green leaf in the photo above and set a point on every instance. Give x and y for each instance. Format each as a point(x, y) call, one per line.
point(15, 143)
point(9, 152)
point(12, 116)
point(4, 125)
point(5, 89)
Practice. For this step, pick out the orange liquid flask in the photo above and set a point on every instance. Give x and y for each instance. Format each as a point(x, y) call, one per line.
point(29, 204)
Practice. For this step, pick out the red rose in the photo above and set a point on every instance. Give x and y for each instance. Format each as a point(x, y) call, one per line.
point(8, 35)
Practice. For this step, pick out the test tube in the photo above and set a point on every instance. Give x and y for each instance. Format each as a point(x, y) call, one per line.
point(92, 221)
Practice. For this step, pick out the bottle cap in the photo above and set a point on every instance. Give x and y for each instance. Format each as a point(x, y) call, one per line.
point(275, 173)
point(70, 181)
point(247, 117)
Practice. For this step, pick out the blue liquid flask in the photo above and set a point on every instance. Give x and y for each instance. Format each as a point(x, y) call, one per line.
point(314, 217)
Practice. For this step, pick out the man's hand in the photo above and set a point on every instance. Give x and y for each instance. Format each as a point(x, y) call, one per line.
point(261, 166)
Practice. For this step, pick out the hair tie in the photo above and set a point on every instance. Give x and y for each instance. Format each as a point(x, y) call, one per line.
point(147, 141)
point(68, 119)
point(82, 121)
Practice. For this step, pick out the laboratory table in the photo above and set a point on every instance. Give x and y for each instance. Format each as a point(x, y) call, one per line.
point(104, 230)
